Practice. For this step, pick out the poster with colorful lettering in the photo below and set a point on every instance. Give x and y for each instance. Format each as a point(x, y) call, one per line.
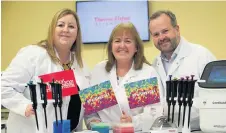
point(143, 92)
point(97, 97)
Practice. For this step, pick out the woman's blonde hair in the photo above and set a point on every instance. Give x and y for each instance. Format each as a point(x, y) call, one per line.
point(48, 43)
point(138, 57)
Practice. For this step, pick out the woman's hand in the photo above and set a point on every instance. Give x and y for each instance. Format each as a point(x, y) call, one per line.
point(95, 121)
point(125, 118)
point(29, 111)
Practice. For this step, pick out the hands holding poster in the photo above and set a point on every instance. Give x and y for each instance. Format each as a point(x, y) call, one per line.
point(97, 97)
point(143, 92)
point(66, 78)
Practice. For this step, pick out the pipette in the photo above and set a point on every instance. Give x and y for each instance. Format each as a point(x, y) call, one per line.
point(174, 95)
point(190, 96)
point(180, 91)
point(55, 97)
point(59, 93)
point(44, 98)
point(185, 88)
point(33, 95)
point(168, 94)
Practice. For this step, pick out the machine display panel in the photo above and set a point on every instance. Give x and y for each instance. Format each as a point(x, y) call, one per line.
point(214, 75)
point(218, 74)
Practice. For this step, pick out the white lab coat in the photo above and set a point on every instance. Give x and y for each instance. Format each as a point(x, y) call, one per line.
point(29, 63)
point(191, 60)
point(112, 114)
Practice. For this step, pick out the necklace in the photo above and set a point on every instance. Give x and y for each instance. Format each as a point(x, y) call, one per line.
point(68, 65)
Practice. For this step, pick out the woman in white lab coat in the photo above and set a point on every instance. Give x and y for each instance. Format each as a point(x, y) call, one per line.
point(60, 51)
point(126, 63)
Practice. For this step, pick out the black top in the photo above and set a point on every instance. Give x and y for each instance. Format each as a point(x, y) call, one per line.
point(74, 104)
point(74, 110)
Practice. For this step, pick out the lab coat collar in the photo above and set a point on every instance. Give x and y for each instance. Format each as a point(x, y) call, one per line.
point(74, 65)
point(57, 55)
point(131, 73)
point(113, 76)
point(174, 55)
point(185, 49)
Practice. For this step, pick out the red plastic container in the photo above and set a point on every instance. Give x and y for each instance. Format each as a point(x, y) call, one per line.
point(123, 128)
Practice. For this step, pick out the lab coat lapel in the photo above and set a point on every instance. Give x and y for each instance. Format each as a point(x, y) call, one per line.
point(174, 66)
point(183, 52)
point(160, 68)
point(113, 77)
point(130, 75)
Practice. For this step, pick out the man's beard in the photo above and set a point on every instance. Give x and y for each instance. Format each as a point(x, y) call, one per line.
point(172, 45)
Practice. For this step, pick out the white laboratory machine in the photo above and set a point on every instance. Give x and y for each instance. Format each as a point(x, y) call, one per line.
point(212, 98)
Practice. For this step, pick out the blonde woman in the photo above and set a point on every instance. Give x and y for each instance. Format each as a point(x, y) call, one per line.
point(60, 51)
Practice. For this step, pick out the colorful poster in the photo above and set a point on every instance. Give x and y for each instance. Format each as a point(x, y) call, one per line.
point(143, 92)
point(66, 78)
point(97, 97)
